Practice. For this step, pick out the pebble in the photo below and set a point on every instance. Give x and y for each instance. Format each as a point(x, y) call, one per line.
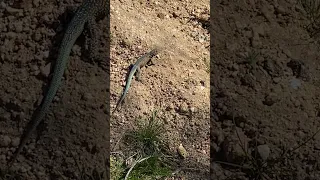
point(295, 83)
point(280, 10)
point(264, 151)
point(296, 103)
point(170, 106)
point(15, 142)
point(45, 70)
point(18, 27)
point(37, 36)
point(235, 67)
point(270, 99)
point(23, 169)
point(36, 3)
point(183, 107)
point(46, 54)
point(87, 96)
point(182, 151)
point(161, 15)
point(276, 80)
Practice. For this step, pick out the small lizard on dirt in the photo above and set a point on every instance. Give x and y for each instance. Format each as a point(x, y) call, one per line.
point(87, 13)
point(141, 62)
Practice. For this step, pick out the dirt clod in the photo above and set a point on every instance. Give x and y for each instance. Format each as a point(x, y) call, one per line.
point(5, 141)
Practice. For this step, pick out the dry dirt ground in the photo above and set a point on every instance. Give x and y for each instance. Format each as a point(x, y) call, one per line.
point(266, 84)
point(73, 136)
point(177, 85)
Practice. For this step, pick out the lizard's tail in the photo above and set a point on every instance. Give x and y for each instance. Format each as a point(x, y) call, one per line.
point(71, 35)
point(40, 113)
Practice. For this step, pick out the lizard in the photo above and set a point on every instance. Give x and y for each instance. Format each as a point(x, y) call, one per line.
point(135, 69)
point(86, 14)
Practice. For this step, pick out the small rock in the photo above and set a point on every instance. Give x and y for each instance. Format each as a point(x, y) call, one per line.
point(36, 3)
point(215, 147)
point(255, 41)
point(235, 67)
point(31, 146)
point(276, 80)
point(18, 27)
point(34, 68)
point(264, 151)
point(15, 142)
point(201, 39)
point(170, 106)
point(239, 25)
point(299, 8)
point(266, 13)
point(161, 15)
point(295, 83)
point(86, 96)
point(182, 151)
point(45, 70)
point(37, 36)
point(175, 14)
point(2, 157)
point(300, 134)
point(248, 80)
point(296, 103)
point(227, 123)
point(234, 74)
point(23, 169)
point(270, 99)
point(183, 107)
point(287, 52)
point(5, 141)
point(280, 10)
point(76, 50)
point(46, 54)
point(258, 30)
